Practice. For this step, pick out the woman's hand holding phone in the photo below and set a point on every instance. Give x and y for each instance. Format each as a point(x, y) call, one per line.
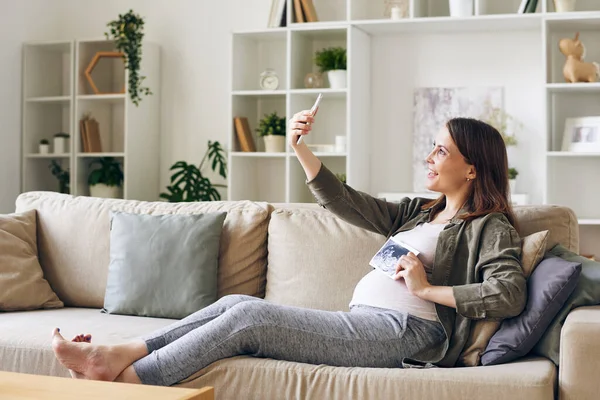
point(300, 124)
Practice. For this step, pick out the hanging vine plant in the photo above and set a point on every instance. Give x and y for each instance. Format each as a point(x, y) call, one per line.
point(127, 32)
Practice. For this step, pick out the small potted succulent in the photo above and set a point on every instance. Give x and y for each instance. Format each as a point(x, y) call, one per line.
point(512, 179)
point(272, 129)
point(44, 146)
point(63, 176)
point(61, 141)
point(333, 61)
point(106, 180)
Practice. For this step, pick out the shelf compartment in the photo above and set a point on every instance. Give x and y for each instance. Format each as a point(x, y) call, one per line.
point(109, 75)
point(572, 182)
point(42, 120)
point(505, 7)
point(327, 11)
point(110, 114)
point(47, 69)
point(305, 44)
point(254, 108)
point(299, 191)
point(257, 179)
point(563, 105)
point(253, 53)
point(38, 174)
point(580, 6)
point(562, 28)
point(361, 10)
point(84, 167)
point(330, 119)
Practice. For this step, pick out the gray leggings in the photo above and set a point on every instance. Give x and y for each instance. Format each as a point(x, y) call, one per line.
point(244, 325)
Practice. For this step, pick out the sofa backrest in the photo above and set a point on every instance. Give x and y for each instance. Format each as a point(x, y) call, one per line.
point(315, 259)
point(74, 240)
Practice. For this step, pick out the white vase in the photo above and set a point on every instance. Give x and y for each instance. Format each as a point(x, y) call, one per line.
point(461, 8)
point(105, 191)
point(60, 145)
point(274, 143)
point(564, 5)
point(337, 78)
point(44, 148)
point(512, 183)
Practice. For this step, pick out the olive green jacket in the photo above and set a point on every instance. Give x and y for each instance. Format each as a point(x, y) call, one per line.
point(480, 259)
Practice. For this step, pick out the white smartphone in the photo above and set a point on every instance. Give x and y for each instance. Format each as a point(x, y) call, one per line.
point(313, 111)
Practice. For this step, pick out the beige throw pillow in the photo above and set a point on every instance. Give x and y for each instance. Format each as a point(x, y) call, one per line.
point(22, 283)
point(533, 248)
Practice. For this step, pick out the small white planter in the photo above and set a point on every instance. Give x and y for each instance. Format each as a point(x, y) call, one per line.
point(564, 5)
point(60, 145)
point(461, 8)
point(274, 143)
point(512, 183)
point(105, 191)
point(44, 148)
point(337, 78)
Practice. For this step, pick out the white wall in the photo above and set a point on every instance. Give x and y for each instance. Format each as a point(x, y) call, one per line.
point(195, 44)
point(19, 21)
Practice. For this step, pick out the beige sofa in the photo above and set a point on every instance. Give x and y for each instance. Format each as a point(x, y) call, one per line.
point(314, 260)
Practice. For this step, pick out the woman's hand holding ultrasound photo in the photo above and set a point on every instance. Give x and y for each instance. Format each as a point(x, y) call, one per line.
point(412, 270)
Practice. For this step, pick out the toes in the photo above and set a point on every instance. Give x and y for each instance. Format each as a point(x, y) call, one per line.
point(56, 334)
point(87, 338)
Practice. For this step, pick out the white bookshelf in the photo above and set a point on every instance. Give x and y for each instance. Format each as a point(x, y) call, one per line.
point(551, 175)
point(56, 95)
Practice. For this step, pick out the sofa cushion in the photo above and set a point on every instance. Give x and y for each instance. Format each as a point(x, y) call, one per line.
point(73, 240)
point(175, 256)
point(559, 220)
point(527, 379)
point(25, 338)
point(22, 283)
point(316, 259)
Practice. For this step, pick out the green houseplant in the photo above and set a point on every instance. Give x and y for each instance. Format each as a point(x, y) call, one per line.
point(272, 129)
point(512, 179)
point(44, 146)
point(127, 32)
point(62, 175)
point(333, 61)
point(187, 182)
point(106, 180)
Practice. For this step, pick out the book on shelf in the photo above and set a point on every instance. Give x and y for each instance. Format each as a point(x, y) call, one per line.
point(244, 134)
point(387, 257)
point(522, 6)
point(90, 135)
point(531, 6)
point(298, 13)
point(310, 14)
point(277, 16)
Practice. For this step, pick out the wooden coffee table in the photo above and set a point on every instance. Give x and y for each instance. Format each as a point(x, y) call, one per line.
point(25, 386)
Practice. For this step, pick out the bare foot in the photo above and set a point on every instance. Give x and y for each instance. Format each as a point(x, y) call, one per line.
point(87, 361)
point(79, 339)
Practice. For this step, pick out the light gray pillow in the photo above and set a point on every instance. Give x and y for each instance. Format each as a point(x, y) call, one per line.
point(162, 266)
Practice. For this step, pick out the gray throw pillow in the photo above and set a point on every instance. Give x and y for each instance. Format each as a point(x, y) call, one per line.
point(587, 293)
point(548, 288)
point(162, 266)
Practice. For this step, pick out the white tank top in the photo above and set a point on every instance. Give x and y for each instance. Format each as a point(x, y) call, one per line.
point(378, 290)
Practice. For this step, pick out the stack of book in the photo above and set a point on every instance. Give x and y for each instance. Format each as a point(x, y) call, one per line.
point(244, 135)
point(90, 135)
point(304, 11)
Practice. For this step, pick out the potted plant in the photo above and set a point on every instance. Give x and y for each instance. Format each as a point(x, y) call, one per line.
point(187, 182)
point(461, 8)
point(506, 124)
point(62, 175)
point(128, 31)
point(44, 146)
point(512, 179)
point(60, 143)
point(333, 61)
point(272, 129)
point(106, 180)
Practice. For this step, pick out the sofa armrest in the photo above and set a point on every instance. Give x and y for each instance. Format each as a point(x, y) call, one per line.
point(580, 355)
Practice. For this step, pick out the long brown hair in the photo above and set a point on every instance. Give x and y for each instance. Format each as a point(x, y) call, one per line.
point(482, 146)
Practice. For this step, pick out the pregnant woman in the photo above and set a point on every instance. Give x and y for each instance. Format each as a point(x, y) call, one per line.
point(468, 268)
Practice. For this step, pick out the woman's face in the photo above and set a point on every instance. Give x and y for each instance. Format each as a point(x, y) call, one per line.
point(448, 170)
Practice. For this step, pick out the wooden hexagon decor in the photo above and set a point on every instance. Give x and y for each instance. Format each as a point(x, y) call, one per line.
point(97, 57)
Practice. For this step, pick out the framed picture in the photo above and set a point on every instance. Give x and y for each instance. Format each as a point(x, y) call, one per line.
point(582, 135)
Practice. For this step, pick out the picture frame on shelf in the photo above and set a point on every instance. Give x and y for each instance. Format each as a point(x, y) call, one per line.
point(582, 135)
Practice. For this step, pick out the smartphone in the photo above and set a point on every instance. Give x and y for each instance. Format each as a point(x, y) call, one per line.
point(313, 112)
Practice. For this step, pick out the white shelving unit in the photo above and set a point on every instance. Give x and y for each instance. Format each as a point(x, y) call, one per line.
point(56, 96)
point(565, 178)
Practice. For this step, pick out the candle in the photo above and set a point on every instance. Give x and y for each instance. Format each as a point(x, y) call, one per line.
point(396, 12)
